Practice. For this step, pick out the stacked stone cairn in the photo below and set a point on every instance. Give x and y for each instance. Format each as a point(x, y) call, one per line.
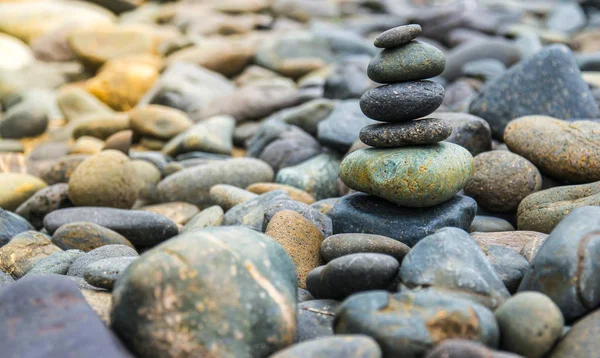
point(408, 164)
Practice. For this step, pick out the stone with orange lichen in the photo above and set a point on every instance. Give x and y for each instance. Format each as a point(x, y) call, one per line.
point(227, 291)
point(16, 188)
point(23, 252)
point(294, 193)
point(413, 176)
point(408, 323)
point(565, 268)
point(86, 236)
point(300, 238)
point(563, 150)
point(121, 85)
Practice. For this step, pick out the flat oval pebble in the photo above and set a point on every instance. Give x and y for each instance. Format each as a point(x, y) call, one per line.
point(411, 62)
point(424, 131)
point(339, 346)
point(178, 211)
point(104, 252)
point(211, 216)
point(413, 176)
point(86, 236)
point(57, 263)
point(401, 102)
point(141, 228)
point(352, 273)
point(483, 223)
point(397, 36)
point(158, 121)
point(104, 273)
point(228, 196)
point(501, 180)
point(294, 193)
point(16, 188)
point(346, 244)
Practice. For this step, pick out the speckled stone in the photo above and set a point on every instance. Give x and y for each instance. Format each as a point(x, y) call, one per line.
point(351, 274)
point(141, 228)
point(57, 263)
point(16, 188)
point(11, 224)
point(401, 102)
point(425, 131)
point(24, 251)
point(372, 215)
point(62, 169)
point(501, 180)
point(470, 132)
point(346, 244)
point(104, 252)
point(397, 36)
point(544, 324)
point(340, 346)
point(192, 185)
point(413, 176)
point(43, 202)
point(294, 193)
point(105, 179)
point(317, 176)
point(194, 272)
point(315, 319)
point(86, 236)
point(228, 196)
point(450, 259)
point(553, 84)
point(414, 61)
point(300, 238)
point(211, 216)
point(565, 268)
point(543, 210)
point(408, 323)
point(563, 150)
point(104, 273)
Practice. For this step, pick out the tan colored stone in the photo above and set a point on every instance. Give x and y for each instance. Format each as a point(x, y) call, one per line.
point(159, 121)
point(101, 126)
point(86, 145)
point(178, 211)
point(294, 193)
point(120, 141)
point(300, 238)
point(100, 301)
point(15, 188)
point(23, 251)
point(525, 243)
point(15, 53)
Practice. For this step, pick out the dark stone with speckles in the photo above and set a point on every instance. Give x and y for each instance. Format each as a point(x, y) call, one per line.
point(61, 171)
point(315, 319)
point(502, 179)
point(104, 273)
point(346, 244)
point(340, 346)
point(141, 228)
point(408, 323)
point(11, 225)
point(57, 263)
point(104, 252)
point(566, 267)
point(401, 102)
point(43, 202)
point(397, 36)
point(350, 274)
point(451, 259)
point(543, 210)
point(372, 215)
point(389, 135)
point(412, 62)
point(47, 316)
point(553, 86)
point(246, 314)
point(419, 176)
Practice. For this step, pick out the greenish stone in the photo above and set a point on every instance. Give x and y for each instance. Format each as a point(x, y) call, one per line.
point(414, 176)
point(221, 292)
point(414, 61)
point(543, 210)
point(316, 176)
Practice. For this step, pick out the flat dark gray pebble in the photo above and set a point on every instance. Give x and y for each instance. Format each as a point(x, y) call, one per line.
point(397, 36)
point(390, 135)
point(104, 273)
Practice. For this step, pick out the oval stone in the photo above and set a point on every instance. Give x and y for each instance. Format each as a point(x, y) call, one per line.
point(413, 176)
point(563, 150)
point(346, 244)
point(389, 135)
point(397, 36)
point(401, 102)
point(413, 61)
point(86, 236)
point(16, 188)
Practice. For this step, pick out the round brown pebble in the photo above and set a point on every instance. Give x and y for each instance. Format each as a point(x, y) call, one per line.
point(120, 141)
point(389, 135)
point(300, 238)
point(294, 193)
point(502, 179)
point(105, 179)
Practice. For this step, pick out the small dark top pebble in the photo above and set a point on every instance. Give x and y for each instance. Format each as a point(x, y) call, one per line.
point(397, 36)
